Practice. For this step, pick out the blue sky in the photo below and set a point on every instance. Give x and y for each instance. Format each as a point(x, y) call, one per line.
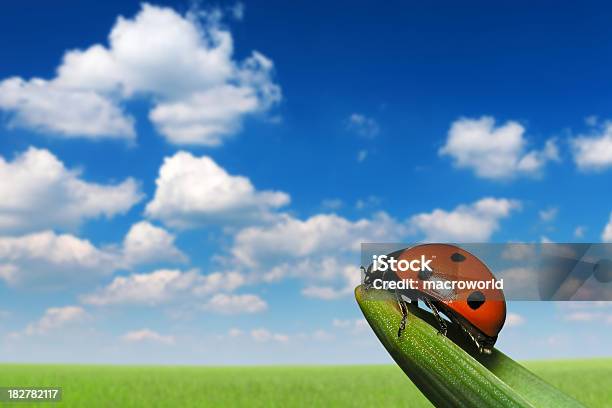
point(189, 184)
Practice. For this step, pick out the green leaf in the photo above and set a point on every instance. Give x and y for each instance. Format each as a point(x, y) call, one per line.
point(449, 371)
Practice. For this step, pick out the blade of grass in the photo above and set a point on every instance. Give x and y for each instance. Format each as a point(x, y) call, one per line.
point(446, 374)
point(533, 388)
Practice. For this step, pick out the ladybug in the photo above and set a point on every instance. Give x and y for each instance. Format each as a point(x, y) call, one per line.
point(481, 313)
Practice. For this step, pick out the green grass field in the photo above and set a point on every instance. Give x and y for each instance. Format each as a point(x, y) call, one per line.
point(589, 381)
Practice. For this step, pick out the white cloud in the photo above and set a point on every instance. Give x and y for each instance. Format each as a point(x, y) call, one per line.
point(519, 282)
point(584, 312)
point(368, 202)
point(147, 335)
point(362, 155)
point(320, 250)
point(474, 222)
point(326, 292)
point(39, 192)
point(518, 252)
point(322, 335)
point(317, 268)
point(162, 286)
point(362, 125)
point(581, 229)
point(238, 10)
point(548, 214)
point(215, 282)
point(44, 106)
point(329, 268)
point(514, 320)
point(332, 204)
point(591, 120)
point(146, 243)
point(594, 151)
point(235, 304)
point(183, 63)
point(55, 318)
point(582, 316)
point(234, 332)
point(606, 235)
point(48, 259)
point(322, 235)
point(194, 191)
point(264, 335)
point(206, 117)
point(353, 326)
point(153, 288)
point(495, 152)
point(545, 240)
point(582, 305)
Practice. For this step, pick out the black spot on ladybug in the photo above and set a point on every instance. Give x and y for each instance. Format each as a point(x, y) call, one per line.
point(475, 300)
point(425, 274)
point(457, 257)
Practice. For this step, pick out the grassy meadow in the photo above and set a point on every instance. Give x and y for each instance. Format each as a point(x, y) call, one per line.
point(589, 381)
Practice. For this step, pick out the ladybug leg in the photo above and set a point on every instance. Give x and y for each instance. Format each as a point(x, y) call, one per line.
point(441, 322)
point(404, 311)
point(363, 274)
point(478, 346)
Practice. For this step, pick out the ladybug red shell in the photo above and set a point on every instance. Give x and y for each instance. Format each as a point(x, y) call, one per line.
point(480, 312)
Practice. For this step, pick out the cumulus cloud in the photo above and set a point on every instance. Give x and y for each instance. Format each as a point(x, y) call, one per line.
point(326, 292)
point(474, 222)
point(362, 155)
point(368, 202)
point(39, 192)
point(162, 286)
point(520, 283)
point(147, 335)
point(183, 63)
point(48, 259)
point(235, 304)
point(598, 312)
point(319, 250)
point(265, 335)
point(322, 234)
point(606, 235)
point(238, 10)
point(55, 318)
point(44, 106)
point(194, 191)
point(147, 243)
point(363, 125)
point(514, 320)
point(353, 326)
point(582, 316)
point(593, 152)
point(495, 152)
point(518, 252)
point(149, 289)
point(548, 214)
point(348, 274)
point(332, 204)
point(235, 332)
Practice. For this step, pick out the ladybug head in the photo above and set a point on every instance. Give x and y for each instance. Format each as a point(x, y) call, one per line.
point(371, 275)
